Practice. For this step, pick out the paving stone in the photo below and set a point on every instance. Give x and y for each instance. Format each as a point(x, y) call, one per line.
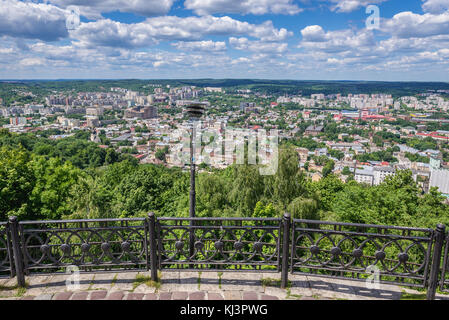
point(197, 295)
point(102, 281)
point(268, 297)
point(143, 288)
point(180, 295)
point(135, 296)
point(250, 296)
point(62, 296)
point(150, 296)
point(278, 292)
point(11, 282)
point(165, 296)
point(232, 295)
point(80, 295)
point(214, 296)
point(234, 281)
point(45, 296)
point(184, 285)
point(209, 281)
point(188, 281)
point(117, 295)
point(301, 291)
point(125, 281)
point(98, 295)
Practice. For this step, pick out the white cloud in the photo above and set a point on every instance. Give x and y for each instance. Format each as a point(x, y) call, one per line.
point(315, 38)
point(257, 7)
point(435, 6)
point(408, 25)
point(257, 46)
point(352, 5)
point(209, 46)
point(110, 33)
point(31, 62)
point(32, 20)
point(94, 8)
point(313, 33)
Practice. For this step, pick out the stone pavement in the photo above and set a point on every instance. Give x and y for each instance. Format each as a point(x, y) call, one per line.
point(196, 285)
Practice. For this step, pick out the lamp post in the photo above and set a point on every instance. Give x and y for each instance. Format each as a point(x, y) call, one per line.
point(194, 110)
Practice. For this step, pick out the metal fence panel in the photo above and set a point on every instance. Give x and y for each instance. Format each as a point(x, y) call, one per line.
point(215, 243)
point(6, 262)
point(395, 255)
point(90, 244)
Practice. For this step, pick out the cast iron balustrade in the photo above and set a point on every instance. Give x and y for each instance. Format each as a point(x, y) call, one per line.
point(400, 255)
point(413, 257)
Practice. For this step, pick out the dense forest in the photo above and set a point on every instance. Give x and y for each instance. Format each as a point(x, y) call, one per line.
point(74, 178)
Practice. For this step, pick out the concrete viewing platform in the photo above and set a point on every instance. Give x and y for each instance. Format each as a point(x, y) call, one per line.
point(194, 285)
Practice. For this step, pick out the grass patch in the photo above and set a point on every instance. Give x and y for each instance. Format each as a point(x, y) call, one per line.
point(220, 274)
point(413, 296)
point(114, 280)
point(91, 283)
point(20, 292)
point(270, 282)
point(290, 295)
point(199, 280)
point(142, 279)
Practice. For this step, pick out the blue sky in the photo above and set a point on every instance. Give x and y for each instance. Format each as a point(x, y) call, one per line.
point(272, 39)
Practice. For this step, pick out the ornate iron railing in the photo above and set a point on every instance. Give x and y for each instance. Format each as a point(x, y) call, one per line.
point(412, 257)
point(215, 243)
point(6, 266)
point(444, 281)
point(394, 255)
point(50, 245)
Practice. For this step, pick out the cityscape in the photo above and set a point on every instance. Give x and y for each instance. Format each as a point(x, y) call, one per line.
point(365, 137)
point(224, 154)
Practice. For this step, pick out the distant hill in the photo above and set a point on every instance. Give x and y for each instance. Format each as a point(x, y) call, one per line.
point(304, 87)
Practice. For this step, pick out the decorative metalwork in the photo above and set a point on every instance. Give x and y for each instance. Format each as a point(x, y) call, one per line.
point(402, 255)
point(405, 256)
point(231, 243)
point(85, 243)
point(444, 281)
point(5, 250)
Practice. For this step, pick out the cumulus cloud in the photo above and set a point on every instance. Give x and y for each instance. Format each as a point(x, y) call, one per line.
point(315, 38)
point(257, 7)
point(110, 33)
point(435, 6)
point(32, 20)
point(257, 46)
point(313, 33)
point(352, 5)
point(210, 46)
point(94, 8)
point(31, 62)
point(408, 25)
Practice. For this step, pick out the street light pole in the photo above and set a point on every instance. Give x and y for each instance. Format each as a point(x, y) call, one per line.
point(194, 111)
point(192, 174)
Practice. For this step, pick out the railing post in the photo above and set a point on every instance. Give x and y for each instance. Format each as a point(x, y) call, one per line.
point(153, 248)
point(436, 260)
point(285, 249)
point(17, 252)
